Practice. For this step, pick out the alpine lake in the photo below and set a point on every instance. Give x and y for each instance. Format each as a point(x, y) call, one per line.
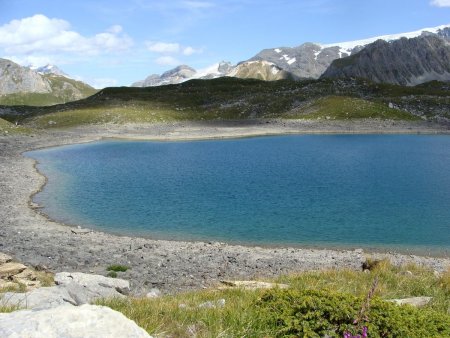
point(389, 192)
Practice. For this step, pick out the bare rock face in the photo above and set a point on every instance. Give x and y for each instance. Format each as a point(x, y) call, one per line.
point(86, 321)
point(308, 60)
point(403, 62)
point(17, 79)
point(260, 70)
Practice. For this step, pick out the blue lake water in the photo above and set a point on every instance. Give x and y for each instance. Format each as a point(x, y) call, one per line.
point(389, 191)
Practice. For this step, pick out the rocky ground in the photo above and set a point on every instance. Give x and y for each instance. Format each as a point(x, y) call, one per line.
point(166, 265)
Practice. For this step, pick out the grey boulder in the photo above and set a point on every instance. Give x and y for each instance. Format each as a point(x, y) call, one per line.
point(86, 321)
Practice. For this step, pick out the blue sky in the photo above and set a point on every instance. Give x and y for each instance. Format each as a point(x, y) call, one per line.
point(116, 42)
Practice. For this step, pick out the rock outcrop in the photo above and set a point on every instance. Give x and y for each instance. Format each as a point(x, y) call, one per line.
point(18, 79)
point(19, 83)
point(86, 321)
point(403, 62)
point(15, 275)
point(260, 70)
point(74, 288)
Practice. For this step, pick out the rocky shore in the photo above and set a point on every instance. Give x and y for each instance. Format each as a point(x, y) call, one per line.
point(166, 265)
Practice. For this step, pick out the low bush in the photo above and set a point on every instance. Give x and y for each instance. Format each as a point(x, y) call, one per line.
point(314, 313)
point(117, 268)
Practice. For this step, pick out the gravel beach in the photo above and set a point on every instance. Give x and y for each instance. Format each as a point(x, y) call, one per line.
point(170, 266)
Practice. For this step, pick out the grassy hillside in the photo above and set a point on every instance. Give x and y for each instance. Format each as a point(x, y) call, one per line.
point(231, 98)
point(345, 108)
point(10, 128)
point(317, 304)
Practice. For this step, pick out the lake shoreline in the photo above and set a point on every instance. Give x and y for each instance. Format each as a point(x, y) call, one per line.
point(171, 266)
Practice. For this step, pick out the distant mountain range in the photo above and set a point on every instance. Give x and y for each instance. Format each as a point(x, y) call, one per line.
point(40, 86)
point(406, 59)
point(426, 61)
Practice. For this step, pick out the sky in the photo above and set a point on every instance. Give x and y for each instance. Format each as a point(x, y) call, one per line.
point(117, 42)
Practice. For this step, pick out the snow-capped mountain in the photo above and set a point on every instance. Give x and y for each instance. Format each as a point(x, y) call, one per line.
point(183, 73)
point(310, 60)
point(50, 69)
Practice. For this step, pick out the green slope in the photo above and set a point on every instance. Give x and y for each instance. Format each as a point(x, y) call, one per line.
point(231, 98)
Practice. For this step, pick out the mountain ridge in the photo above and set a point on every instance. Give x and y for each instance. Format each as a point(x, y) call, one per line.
point(307, 60)
point(406, 62)
point(25, 86)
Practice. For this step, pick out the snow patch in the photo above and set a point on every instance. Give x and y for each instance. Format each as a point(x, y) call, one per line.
point(316, 54)
point(278, 50)
point(291, 61)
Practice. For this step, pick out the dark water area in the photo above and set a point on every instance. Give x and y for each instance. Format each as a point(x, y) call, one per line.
point(386, 191)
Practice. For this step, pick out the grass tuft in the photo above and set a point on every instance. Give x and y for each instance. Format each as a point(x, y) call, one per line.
point(117, 268)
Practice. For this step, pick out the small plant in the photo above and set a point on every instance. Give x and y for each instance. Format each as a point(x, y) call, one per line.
point(112, 274)
point(361, 321)
point(117, 268)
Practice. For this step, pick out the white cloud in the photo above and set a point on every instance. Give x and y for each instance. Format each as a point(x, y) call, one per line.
point(40, 34)
point(440, 3)
point(190, 50)
point(163, 47)
point(167, 61)
point(171, 48)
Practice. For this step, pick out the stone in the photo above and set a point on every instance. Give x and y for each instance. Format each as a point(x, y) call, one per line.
point(252, 285)
point(39, 298)
point(80, 231)
point(212, 305)
point(10, 269)
point(207, 305)
point(153, 293)
point(86, 321)
point(101, 285)
point(26, 274)
point(4, 258)
point(414, 301)
point(221, 302)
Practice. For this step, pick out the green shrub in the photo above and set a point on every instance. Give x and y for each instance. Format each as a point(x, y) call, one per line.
point(117, 268)
point(112, 274)
point(312, 313)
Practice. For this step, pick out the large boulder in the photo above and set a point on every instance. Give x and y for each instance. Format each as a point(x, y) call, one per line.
point(101, 285)
point(38, 298)
point(86, 321)
point(73, 288)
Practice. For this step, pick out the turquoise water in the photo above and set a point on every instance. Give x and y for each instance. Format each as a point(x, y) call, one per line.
point(389, 191)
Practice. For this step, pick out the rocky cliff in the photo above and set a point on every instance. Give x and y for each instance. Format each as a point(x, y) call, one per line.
point(25, 86)
point(404, 61)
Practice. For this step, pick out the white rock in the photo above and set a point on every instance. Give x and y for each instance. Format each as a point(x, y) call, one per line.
point(86, 321)
point(153, 293)
point(103, 286)
point(414, 301)
point(251, 285)
point(39, 298)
